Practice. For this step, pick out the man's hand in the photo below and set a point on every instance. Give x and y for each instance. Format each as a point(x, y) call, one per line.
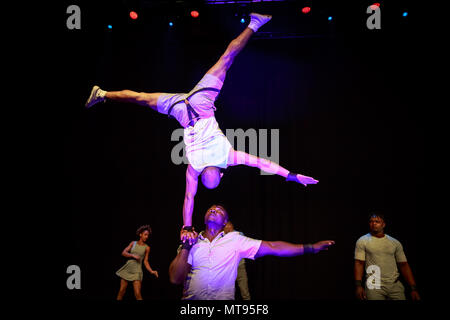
point(322, 245)
point(190, 236)
point(360, 293)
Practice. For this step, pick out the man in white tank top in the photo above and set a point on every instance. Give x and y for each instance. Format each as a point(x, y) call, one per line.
point(207, 148)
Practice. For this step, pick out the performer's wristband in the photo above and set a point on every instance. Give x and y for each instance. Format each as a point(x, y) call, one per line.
point(308, 249)
point(291, 177)
point(186, 245)
point(188, 228)
point(358, 283)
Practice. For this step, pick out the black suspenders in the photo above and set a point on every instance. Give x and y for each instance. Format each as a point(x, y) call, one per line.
point(192, 114)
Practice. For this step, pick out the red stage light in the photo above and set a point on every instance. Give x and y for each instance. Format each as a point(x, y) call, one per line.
point(374, 6)
point(194, 14)
point(306, 10)
point(133, 15)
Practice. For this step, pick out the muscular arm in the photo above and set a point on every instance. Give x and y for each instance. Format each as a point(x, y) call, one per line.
point(358, 274)
point(191, 190)
point(406, 272)
point(286, 249)
point(239, 157)
point(179, 267)
point(359, 270)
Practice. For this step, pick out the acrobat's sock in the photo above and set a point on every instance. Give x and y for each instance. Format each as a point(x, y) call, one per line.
point(258, 20)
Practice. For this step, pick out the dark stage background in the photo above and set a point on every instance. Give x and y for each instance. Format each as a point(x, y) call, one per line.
point(342, 97)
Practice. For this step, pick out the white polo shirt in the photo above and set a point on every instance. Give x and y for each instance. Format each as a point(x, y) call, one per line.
point(214, 265)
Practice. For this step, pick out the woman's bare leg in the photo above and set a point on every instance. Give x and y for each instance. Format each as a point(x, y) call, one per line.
point(123, 289)
point(137, 289)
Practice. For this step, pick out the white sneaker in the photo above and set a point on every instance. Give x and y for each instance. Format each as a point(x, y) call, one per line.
point(97, 95)
point(258, 20)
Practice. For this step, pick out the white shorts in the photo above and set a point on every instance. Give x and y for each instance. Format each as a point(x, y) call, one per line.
point(202, 102)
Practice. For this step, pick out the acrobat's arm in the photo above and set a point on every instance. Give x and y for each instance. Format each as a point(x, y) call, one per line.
point(191, 190)
point(240, 157)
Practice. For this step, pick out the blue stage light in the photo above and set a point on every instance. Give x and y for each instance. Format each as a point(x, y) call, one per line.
point(242, 20)
point(330, 18)
point(109, 26)
point(405, 14)
point(171, 24)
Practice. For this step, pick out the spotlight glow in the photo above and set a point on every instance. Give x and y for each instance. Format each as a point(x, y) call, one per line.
point(305, 10)
point(405, 14)
point(194, 14)
point(242, 20)
point(330, 18)
point(133, 15)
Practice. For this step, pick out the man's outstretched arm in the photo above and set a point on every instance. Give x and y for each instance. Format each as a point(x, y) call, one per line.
point(286, 249)
point(188, 205)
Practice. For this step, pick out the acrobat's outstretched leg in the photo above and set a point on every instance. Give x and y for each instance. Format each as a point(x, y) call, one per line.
point(219, 70)
point(236, 45)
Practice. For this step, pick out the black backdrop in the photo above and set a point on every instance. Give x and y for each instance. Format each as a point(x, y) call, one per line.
point(343, 98)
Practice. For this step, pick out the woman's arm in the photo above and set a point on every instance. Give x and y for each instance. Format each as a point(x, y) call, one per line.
point(147, 265)
point(126, 252)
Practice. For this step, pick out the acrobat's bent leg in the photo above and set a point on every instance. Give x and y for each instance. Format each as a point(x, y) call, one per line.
point(141, 98)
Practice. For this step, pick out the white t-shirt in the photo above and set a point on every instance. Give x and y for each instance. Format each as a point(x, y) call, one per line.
point(214, 265)
point(206, 145)
point(383, 252)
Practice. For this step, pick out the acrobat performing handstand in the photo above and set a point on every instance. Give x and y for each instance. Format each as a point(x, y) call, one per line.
point(207, 148)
